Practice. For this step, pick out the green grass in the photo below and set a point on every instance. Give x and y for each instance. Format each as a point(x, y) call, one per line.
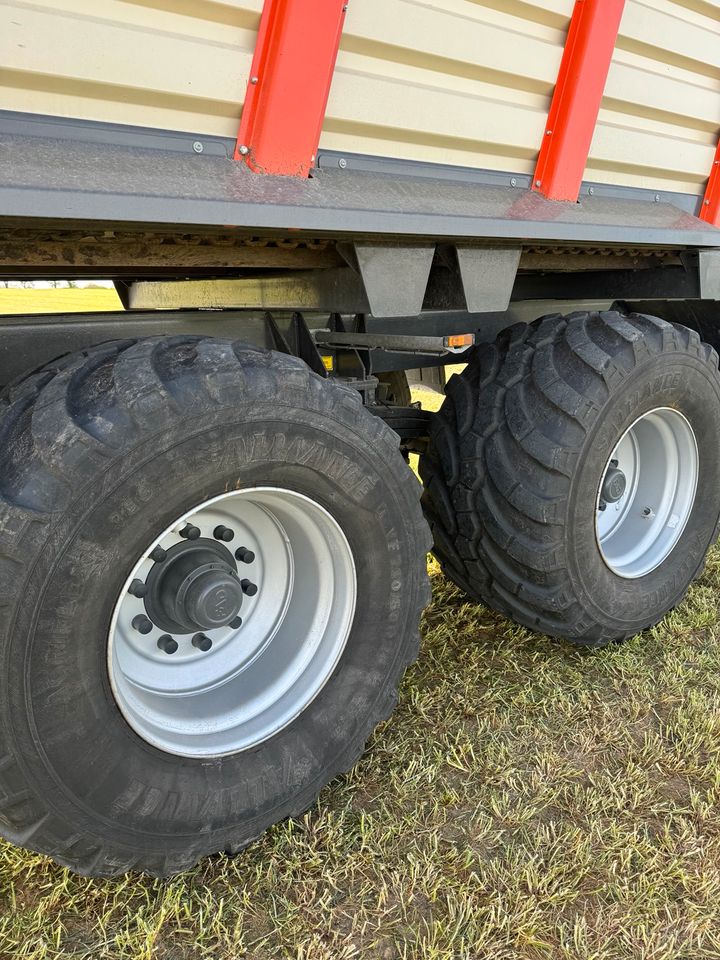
point(526, 800)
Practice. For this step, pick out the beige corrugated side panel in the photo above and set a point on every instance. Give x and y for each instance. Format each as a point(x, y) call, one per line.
point(659, 123)
point(470, 81)
point(172, 64)
point(464, 82)
point(448, 81)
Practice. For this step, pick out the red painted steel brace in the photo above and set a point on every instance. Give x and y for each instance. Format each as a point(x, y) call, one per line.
point(711, 202)
point(289, 85)
point(576, 102)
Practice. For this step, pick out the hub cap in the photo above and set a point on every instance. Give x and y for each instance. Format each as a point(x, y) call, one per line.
point(196, 587)
point(232, 622)
point(647, 493)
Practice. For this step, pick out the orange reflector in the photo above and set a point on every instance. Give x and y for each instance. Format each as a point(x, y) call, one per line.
point(460, 340)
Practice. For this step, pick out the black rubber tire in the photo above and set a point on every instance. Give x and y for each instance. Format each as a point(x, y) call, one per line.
point(518, 452)
point(398, 388)
point(99, 453)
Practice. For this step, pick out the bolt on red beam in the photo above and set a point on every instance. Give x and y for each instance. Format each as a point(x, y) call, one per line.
point(711, 202)
point(290, 79)
point(576, 101)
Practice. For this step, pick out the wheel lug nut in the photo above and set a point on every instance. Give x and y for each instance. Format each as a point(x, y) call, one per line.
point(236, 623)
point(167, 643)
point(202, 642)
point(223, 533)
point(142, 624)
point(189, 532)
point(244, 555)
point(158, 554)
point(138, 589)
point(249, 587)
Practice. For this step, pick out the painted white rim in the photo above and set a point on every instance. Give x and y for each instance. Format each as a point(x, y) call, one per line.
point(258, 677)
point(658, 458)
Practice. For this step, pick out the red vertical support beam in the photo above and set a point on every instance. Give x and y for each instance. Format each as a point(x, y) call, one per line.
point(576, 102)
point(289, 85)
point(711, 202)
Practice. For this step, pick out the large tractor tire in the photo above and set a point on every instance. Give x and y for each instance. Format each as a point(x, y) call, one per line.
point(212, 568)
point(573, 476)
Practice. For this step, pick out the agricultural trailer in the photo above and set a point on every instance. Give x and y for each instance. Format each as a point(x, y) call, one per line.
point(212, 545)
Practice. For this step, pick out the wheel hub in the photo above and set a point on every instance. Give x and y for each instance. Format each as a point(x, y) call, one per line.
point(614, 484)
point(647, 492)
point(205, 660)
point(195, 587)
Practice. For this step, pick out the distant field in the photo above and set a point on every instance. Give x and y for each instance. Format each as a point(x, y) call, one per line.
point(57, 301)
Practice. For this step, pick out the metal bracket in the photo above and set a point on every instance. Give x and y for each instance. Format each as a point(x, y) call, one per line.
point(279, 342)
point(395, 277)
point(395, 343)
point(709, 268)
point(305, 345)
point(488, 276)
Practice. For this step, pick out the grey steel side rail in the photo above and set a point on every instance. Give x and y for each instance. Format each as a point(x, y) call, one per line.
point(67, 181)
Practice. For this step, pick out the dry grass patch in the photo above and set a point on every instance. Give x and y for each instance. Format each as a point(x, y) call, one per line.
point(526, 800)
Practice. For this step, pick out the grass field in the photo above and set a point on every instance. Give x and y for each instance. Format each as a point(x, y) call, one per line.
point(526, 800)
point(31, 300)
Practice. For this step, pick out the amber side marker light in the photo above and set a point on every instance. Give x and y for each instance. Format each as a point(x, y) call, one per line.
point(459, 341)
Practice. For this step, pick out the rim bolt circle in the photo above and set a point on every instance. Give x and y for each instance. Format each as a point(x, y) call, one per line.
point(142, 624)
point(167, 644)
point(248, 587)
point(244, 555)
point(202, 642)
point(223, 533)
point(158, 554)
point(138, 589)
point(190, 532)
point(236, 623)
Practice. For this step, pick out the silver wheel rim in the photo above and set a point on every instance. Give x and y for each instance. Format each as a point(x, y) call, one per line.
point(657, 457)
point(256, 677)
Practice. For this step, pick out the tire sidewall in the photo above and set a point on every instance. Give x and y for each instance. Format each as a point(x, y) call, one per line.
point(95, 770)
point(681, 382)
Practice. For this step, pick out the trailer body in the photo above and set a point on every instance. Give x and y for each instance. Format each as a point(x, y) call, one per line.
point(212, 551)
point(452, 83)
